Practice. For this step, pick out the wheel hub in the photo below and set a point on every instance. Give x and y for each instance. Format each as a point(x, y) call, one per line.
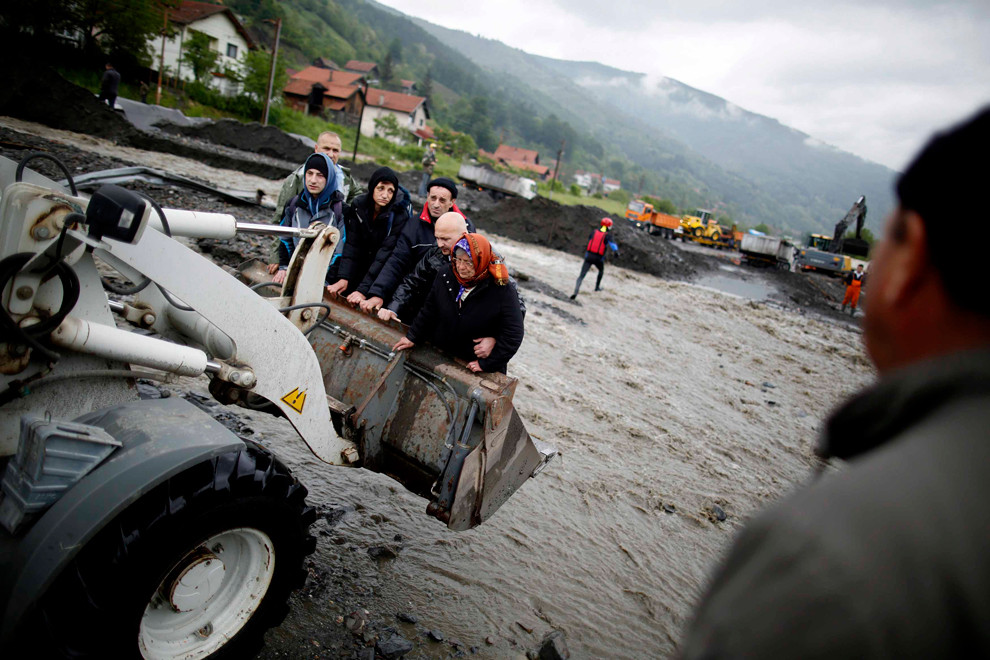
point(197, 582)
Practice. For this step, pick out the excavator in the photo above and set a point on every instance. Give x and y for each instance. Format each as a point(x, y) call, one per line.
point(829, 253)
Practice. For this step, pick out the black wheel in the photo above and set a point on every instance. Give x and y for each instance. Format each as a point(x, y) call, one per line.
point(199, 567)
point(698, 232)
point(717, 237)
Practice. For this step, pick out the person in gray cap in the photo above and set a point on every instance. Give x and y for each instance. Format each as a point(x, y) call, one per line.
point(889, 557)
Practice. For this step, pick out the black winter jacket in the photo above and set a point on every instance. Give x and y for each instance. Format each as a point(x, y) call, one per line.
point(414, 241)
point(489, 311)
point(409, 298)
point(370, 242)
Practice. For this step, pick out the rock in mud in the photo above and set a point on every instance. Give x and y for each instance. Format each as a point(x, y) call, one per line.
point(435, 635)
point(715, 513)
point(356, 621)
point(393, 646)
point(407, 618)
point(385, 551)
point(554, 647)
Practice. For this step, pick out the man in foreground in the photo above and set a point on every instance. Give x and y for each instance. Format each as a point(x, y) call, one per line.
point(890, 557)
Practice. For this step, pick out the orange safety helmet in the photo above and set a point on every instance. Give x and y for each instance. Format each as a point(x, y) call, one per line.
point(606, 222)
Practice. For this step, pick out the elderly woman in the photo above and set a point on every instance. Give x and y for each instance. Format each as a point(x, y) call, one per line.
point(373, 224)
point(469, 301)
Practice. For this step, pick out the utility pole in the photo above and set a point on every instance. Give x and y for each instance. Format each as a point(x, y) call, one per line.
point(556, 168)
point(271, 73)
point(357, 139)
point(161, 60)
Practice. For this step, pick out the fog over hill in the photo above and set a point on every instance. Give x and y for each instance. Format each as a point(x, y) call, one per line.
point(754, 167)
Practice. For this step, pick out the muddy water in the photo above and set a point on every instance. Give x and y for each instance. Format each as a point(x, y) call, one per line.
point(665, 399)
point(668, 400)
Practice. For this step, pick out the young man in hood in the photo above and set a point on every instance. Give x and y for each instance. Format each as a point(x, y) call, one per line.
point(314, 204)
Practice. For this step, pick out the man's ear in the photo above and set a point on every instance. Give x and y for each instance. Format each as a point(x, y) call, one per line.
point(913, 268)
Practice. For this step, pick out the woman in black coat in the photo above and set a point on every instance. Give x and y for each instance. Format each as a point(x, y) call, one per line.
point(373, 224)
point(468, 301)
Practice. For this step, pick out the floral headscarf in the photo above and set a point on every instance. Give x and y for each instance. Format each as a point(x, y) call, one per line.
point(485, 261)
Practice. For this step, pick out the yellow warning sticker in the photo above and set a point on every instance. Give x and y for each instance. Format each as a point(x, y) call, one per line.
point(295, 400)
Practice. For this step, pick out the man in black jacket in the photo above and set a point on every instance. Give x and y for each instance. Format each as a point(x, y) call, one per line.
point(416, 239)
point(109, 85)
point(889, 557)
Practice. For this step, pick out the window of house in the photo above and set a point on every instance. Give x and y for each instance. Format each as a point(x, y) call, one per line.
point(232, 51)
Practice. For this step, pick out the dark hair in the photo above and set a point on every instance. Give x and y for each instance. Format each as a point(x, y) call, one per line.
point(948, 171)
point(381, 174)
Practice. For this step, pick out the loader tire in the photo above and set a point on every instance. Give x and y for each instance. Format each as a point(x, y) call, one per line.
point(149, 584)
point(698, 232)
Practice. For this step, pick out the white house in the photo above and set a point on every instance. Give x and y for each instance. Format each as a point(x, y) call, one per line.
point(410, 111)
point(228, 38)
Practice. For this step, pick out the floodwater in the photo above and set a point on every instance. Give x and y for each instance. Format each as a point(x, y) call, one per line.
point(668, 400)
point(665, 401)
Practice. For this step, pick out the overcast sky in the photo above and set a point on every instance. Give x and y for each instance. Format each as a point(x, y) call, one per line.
point(873, 78)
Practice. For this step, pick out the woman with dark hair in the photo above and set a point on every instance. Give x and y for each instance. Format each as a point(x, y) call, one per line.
point(373, 222)
point(468, 301)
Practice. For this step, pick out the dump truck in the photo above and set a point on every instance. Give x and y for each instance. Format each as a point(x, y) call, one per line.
point(759, 250)
point(646, 217)
point(498, 184)
point(143, 528)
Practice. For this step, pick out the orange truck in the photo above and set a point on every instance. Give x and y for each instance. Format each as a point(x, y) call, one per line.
point(643, 215)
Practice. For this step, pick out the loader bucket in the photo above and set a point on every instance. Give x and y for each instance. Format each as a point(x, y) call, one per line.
point(445, 433)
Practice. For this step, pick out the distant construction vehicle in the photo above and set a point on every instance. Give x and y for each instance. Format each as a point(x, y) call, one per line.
point(758, 250)
point(828, 254)
point(498, 184)
point(645, 216)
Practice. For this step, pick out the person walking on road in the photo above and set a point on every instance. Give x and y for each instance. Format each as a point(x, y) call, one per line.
point(888, 556)
point(854, 283)
point(429, 160)
point(598, 242)
point(109, 84)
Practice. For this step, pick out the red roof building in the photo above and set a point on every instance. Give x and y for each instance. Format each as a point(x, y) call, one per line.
point(369, 69)
point(521, 159)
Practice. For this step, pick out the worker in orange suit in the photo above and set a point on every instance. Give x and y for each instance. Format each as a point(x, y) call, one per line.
point(854, 284)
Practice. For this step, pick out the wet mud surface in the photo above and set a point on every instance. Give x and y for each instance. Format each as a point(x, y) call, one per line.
point(679, 410)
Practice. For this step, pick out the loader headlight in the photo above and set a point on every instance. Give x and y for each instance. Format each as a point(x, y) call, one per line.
point(116, 213)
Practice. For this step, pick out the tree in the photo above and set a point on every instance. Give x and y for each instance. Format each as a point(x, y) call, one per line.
point(198, 55)
point(388, 70)
point(388, 126)
point(762, 227)
point(456, 144)
point(575, 190)
point(620, 195)
point(256, 72)
point(426, 85)
point(395, 50)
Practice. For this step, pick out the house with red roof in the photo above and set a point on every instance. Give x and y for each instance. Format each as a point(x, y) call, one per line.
point(228, 37)
point(326, 92)
point(410, 111)
point(367, 69)
point(521, 159)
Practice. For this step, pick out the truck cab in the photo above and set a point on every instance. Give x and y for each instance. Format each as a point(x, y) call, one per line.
point(639, 212)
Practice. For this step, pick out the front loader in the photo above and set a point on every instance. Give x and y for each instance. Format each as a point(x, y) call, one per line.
point(146, 529)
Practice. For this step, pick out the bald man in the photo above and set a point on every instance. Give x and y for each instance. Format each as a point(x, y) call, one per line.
point(412, 292)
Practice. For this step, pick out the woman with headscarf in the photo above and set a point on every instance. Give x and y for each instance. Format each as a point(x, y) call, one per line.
point(374, 222)
point(468, 301)
point(320, 201)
